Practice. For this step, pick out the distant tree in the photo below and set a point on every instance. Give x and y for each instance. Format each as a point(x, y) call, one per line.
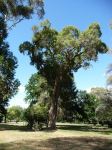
point(15, 113)
point(98, 91)
point(104, 108)
point(8, 64)
point(86, 105)
point(56, 54)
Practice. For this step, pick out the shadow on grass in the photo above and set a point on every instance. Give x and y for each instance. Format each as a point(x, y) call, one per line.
point(73, 143)
point(85, 128)
point(73, 127)
point(5, 126)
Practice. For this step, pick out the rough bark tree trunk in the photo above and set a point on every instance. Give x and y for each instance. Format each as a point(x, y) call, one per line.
point(5, 118)
point(54, 104)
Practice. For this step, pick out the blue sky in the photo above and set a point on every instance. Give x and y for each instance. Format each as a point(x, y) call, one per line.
point(79, 13)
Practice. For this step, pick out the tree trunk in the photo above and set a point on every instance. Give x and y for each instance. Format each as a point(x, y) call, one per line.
point(5, 118)
point(54, 105)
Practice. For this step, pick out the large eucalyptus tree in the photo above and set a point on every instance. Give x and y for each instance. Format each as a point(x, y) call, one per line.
point(58, 54)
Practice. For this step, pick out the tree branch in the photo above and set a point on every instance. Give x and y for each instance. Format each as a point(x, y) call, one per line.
point(13, 25)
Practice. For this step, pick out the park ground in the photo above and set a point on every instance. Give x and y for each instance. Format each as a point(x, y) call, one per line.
point(66, 137)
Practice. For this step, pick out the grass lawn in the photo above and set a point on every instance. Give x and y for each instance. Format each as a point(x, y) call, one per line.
point(66, 137)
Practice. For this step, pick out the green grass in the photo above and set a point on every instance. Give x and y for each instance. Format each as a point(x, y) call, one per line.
point(66, 137)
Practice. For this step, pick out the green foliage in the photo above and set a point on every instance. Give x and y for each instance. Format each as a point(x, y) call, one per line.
point(14, 11)
point(38, 96)
point(15, 113)
point(21, 8)
point(67, 102)
point(37, 90)
point(69, 48)
point(36, 115)
point(8, 64)
point(40, 111)
point(104, 109)
point(86, 105)
point(57, 53)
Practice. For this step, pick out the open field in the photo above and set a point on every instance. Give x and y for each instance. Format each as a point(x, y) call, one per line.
point(66, 137)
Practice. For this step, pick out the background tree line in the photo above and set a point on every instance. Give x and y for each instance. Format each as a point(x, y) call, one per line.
point(90, 108)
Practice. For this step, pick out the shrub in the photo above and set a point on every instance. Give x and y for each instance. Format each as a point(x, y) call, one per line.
point(36, 116)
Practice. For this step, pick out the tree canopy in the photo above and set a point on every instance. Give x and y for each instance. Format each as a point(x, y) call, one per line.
point(15, 113)
point(17, 10)
point(8, 64)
